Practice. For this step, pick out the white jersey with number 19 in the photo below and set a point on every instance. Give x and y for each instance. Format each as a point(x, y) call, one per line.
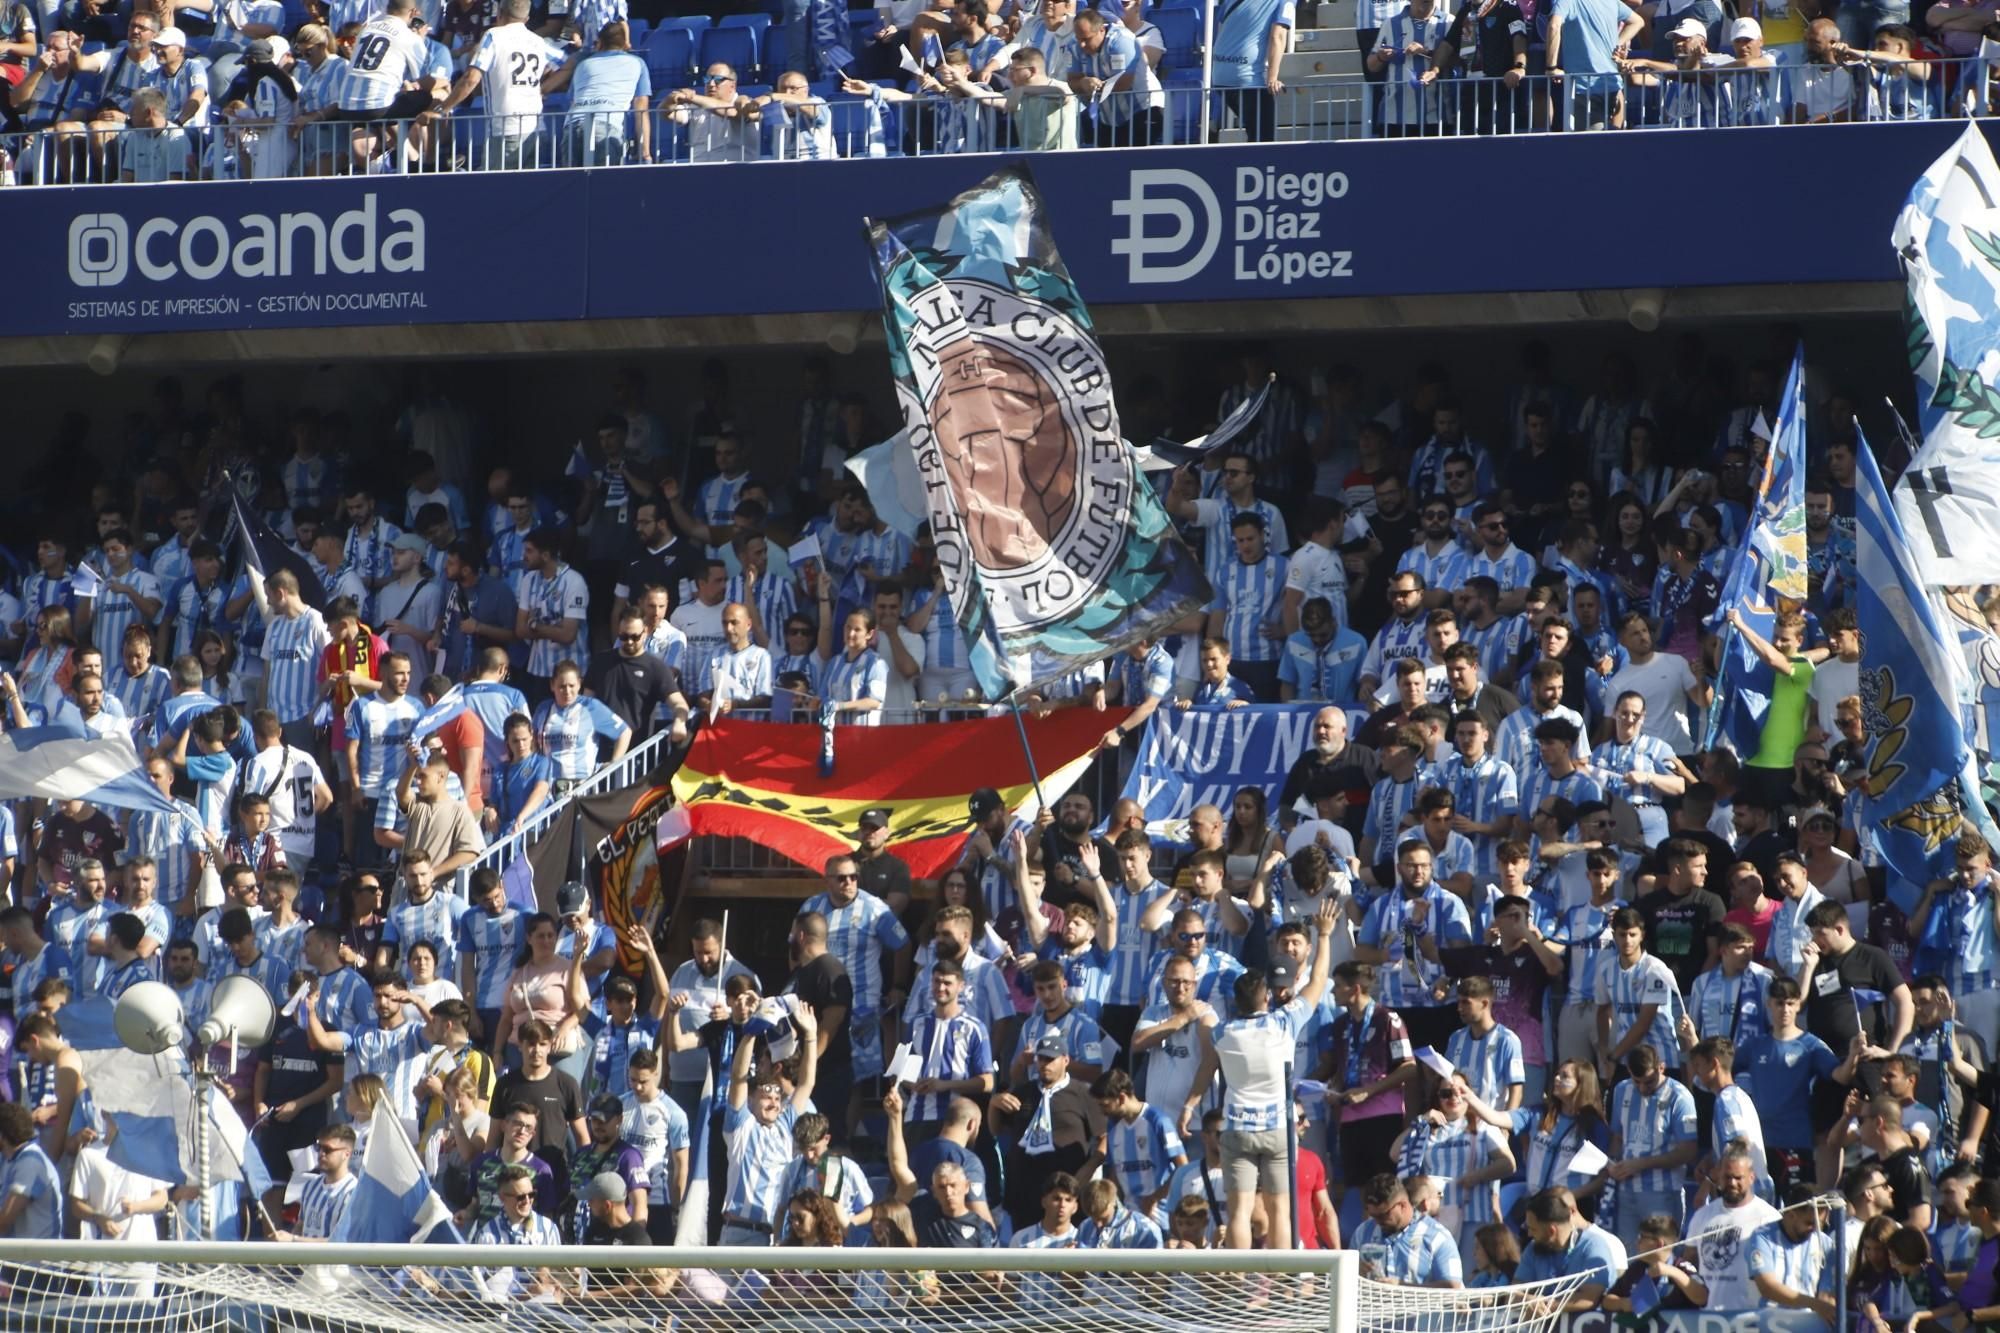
point(386, 56)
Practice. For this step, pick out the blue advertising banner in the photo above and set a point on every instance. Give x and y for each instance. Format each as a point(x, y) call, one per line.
point(1223, 223)
point(1765, 1319)
point(1204, 756)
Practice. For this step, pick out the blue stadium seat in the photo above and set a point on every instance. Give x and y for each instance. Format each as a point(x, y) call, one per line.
point(850, 127)
point(1184, 103)
point(863, 27)
point(670, 57)
point(1180, 29)
point(691, 23)
point(640, 30)
point(735, 46)
point(296, 15)
point(773, 52)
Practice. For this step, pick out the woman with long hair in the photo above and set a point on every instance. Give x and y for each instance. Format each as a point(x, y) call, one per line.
point(218, 682)
point(1832, 871)
point(362, 921)
point(1458, 1147)
point(891, 1228)
point(44, 674)
point(1247, 841)
point(1571, 1116)
point(1495, 1256)
point(1626, 549)
point(956, 889)
point(1643, 474)
point(855, 679)
point(538, 988)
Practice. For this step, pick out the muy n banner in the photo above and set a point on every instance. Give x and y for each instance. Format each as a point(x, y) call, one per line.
point(1226, 223)
point(1204, 756)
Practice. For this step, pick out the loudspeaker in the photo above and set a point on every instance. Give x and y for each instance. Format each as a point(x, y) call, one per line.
point(241, 1008)
point(149, 1018)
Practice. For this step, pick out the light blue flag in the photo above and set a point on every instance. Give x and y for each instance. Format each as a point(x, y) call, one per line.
point(66, 761)
point(890, 474)
point(394, 1201)
point(449, 705)
point(1055, 551)
point(1919, 783)
point(1770, 563)
point(1948, 239)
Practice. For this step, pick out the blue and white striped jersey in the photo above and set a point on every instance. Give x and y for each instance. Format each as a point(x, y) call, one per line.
point(509, 555)
point(395, 1055)
point(1396, 640)
point(1215, 973)
point(1732, 1007)
point(1440, 569)
point(1141, 1152)
point(1427, 464)
point(1322, 672)
point(383, 727)
point(140, 696)
point(858, 934)
point(493, 702)
point(850, 679)
point(1132, 956)
point(1499, 644)
point(434, 921)
point(286, 944)
point(1455, 1149)
point(1491, 1064)
point(658, 1129)
point(195, 609)
point(115, 612)
point(759, 1155)
point(1250, 597)
point(1420, 1253)
point(1150, 677)
point(492, 942)
point(323, 1205)
point(1086, 970)
point(1612, 760)
point(569, 736)
point(309, 482)
point(985, 994)
point(1086, 1041)
point(267, 971)
point(611, 1047)
point(1650, 1124)
point(292, 648)
point(1538, 785)
point(1485, 793)
point(1512, 569)
point(1388, 803)
point(1456, 857)
point(1405, 979)
point(715, 503)
point(1629, 989)
point(747, 671)
point(775, 597)
point(944, 645)
point(1736, 1120)
point(1214, 518)
point(952, 1048)
point(550, 599)
point(1514, 740)
point(170, 840)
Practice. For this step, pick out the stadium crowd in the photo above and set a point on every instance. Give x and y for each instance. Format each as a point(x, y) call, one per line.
point(149, 91)
point(1592, 990)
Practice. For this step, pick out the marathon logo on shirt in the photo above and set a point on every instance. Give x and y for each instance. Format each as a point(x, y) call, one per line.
point(109, 249)
point(1175, 225)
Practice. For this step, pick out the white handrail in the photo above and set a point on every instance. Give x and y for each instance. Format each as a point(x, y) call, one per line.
point(626, 770)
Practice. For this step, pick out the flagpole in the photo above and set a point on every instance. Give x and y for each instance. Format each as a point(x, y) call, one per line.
point(1021, 729)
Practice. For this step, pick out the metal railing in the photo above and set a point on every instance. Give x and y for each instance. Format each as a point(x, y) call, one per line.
point(634, 764)
point(1407, 102)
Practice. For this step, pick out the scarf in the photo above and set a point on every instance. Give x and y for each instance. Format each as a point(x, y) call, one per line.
point(356, 656)
point(1039, 1137)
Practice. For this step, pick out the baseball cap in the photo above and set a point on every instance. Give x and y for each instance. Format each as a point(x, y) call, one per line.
point(1690, 27)
point(983, 802)
point(267, 50)
point(604, 1106)
point(1746, 27)
point(171, 37)
point(877, 815)
point(572, 898)
point(605, 1187)
point(1050, 1046)
point(1283, 976)
point(410, 541)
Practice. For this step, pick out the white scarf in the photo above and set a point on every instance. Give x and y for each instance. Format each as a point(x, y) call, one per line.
point(1040, 1137)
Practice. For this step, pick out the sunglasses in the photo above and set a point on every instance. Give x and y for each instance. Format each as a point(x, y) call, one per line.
point(631, 638)
point(847, 879)
point(1190, 937)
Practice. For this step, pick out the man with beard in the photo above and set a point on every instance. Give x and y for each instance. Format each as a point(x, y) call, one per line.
point(821, 980)
point(1563, 1245)
point(883, 873)
point(1354, 767)
point(1062, 851)
point(701, 980)
point(1723, 1228)
point(1438, 557)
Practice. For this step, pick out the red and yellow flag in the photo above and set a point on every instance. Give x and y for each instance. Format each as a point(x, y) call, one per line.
point(761, 780)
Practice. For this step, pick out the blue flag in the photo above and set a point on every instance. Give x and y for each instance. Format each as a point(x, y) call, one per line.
point(1645, 1295)
point(1056, 552)
point(67, 761)
point(450, 705)
point(1770, 564)
point(1919, 784)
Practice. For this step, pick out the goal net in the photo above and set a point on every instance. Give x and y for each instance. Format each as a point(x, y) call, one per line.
point(65, 1287)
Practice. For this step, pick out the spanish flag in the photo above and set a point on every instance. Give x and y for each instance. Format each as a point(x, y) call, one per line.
point(761, 781)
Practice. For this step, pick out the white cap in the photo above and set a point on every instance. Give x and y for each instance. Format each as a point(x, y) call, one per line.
point(1690, 27)
point(1746, 28)
point(171, 37)
point(280, 48)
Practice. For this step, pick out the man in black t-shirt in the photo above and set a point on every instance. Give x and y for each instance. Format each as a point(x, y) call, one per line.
point(821, 981)
point(611, 1221)
point(557, 1100)
point(299, 1082)
point(1881, 1128)
point(1681, 915)
point(1834, 969)
point(638, 686)
point(944, 1219)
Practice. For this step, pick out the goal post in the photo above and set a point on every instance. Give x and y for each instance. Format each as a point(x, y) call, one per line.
point(267, 1287)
